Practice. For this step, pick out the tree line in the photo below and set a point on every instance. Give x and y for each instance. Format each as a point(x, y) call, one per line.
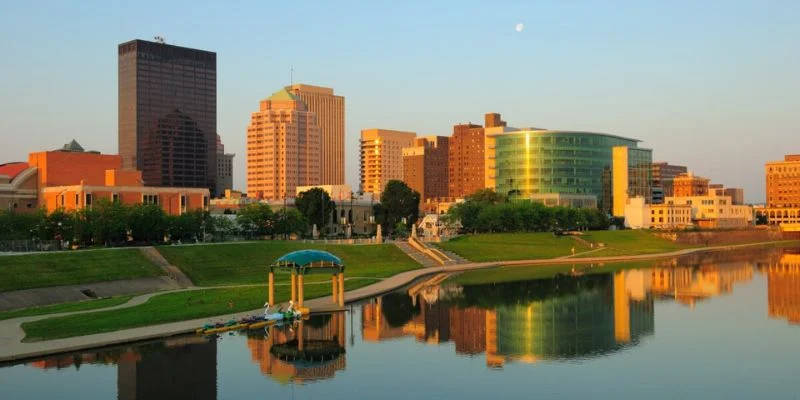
point(107, 223)
point(486, 211)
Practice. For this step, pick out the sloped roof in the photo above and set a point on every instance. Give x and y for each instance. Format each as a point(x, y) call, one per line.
point(283, 95)
point(13, 169)
point(72, 146)
point(303, 258)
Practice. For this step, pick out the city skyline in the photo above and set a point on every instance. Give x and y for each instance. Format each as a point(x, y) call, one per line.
point(722, 75)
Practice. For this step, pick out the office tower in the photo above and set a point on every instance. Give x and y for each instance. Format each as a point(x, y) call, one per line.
point(425, 167)
point(535, 163)
point(283, 147)
point(329, 109)
point(630, 176)
point(382, 157)
point(663, 174)
point(168, 113)
point(224, 170)
point(783, 190)
point(466, 156)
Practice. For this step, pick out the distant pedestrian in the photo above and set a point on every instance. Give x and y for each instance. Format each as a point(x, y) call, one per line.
point(573, 251)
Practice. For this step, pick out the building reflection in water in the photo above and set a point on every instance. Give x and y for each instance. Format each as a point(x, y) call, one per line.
point(690, 284)
point(179, 368)
point(561, 318)
point(305, 351)
point(571, 317)
point(783, 288)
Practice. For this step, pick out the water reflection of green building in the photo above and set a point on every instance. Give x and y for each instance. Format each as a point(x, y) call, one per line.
point(582, 324)
point(543, 319)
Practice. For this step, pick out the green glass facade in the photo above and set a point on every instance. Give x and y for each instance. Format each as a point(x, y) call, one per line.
point(544, 161)
point(640, 173)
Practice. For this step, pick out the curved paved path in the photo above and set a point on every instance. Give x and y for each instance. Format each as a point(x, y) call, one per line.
point(11, 347)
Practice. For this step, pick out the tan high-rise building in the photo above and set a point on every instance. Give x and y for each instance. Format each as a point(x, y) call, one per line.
point(783, 190)
point(330, 118)
point(425, 167)
point(283, 147)
point(688, 185)
point(382, 157)
point(466, 156)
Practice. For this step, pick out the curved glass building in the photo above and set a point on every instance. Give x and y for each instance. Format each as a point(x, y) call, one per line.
point(527, 162)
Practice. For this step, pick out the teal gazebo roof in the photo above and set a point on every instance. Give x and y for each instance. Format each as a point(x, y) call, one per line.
point(306, 261)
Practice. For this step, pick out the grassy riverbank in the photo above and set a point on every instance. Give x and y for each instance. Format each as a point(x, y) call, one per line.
point(170, 307)
point(39, 270)
point(246, 263)
point(229, 264)
point(630, 243)
point(66, 307)
point(539, 245)
point(512, 246)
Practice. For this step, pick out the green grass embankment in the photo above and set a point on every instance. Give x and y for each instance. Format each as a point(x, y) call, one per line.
point(246, 263)
point(512, 246)
point(230, 264)
point(629, 243)
point(170, 307)
point(66, 307)
point(68, 268)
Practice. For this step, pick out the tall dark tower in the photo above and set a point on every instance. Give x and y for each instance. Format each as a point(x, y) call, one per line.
point(168, 113)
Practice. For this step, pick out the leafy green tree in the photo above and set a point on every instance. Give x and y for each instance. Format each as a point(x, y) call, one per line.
point(60, 225)
point(486, 212)
point(18, 225)
point(316, 206)
point(224, 227)
point(109, 222)
point(487, 196)
point(147, 222)
point(185, 227)
point(467, 212)
point(256, 219)
point(291, 221)
point(398, 201)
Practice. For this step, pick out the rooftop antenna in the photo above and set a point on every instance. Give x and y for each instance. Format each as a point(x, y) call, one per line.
point(160, 39)
point(291, 75)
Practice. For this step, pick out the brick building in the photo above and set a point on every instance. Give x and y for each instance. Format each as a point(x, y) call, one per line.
point(425, 167)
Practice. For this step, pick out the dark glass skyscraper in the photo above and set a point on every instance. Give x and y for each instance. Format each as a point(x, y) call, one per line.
point(168, 113)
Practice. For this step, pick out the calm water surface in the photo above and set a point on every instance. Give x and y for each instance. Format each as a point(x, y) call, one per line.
point(723, 325)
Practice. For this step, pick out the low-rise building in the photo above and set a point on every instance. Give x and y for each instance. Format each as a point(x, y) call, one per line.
point(663, 175)
point(230, 203)
point(783, 191)
point(736, 194)
point(71, 179)
point(336, 192)
point(640, 215)
point(688, 184)
point(715, 211)
point(18, 184)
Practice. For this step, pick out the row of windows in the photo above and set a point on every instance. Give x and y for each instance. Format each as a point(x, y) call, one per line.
point(676, 220)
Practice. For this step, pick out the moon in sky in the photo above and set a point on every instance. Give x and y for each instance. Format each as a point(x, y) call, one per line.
point(519, 27)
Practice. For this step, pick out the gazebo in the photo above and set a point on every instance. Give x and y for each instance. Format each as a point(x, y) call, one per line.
point(304, 262)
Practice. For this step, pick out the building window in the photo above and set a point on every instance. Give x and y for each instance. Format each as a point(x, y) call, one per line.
point(88, 199)
point(115, 198)
point(77, 200)
point(205, 202)
point(183, 201)
point(150, 199)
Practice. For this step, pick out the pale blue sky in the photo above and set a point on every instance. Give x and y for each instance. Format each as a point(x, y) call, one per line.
point(714, 86)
